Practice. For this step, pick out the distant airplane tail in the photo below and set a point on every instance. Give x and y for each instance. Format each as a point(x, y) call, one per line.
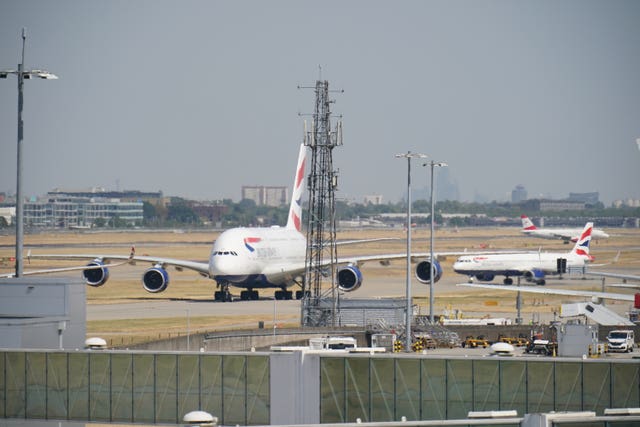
point(295, 210)
point(581, 247)
point(527, 224)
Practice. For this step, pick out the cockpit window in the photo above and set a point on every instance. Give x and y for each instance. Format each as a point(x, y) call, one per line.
point(219, 253)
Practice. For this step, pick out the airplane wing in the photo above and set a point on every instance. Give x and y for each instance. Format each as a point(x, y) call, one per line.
point(179, 264)
point(361, 259)
point(64, 269)
point(552, 291)
point(563, 236)
point(613, 275)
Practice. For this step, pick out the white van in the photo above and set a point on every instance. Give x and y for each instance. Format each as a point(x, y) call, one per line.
point(620, 340)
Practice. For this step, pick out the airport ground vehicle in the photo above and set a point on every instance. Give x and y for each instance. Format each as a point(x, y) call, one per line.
point(620, 340)
point(472, 342)
point(540, 346)
point(518, 342)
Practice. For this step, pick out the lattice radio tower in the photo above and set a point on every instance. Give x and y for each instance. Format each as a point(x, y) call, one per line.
point(321, 256)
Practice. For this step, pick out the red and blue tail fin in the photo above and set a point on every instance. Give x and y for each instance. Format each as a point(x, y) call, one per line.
point(295, 210)
point(581, 247)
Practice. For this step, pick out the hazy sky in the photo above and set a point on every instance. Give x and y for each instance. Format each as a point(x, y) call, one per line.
point(196, 98)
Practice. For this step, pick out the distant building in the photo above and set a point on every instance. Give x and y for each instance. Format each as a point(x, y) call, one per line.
point(373, 199)
point(560, 205)
point(8, 213)
point(632, 203)
point(70, 211)
point(155, 198)
point(265, 195)
point(588, 198)
point(518, 194)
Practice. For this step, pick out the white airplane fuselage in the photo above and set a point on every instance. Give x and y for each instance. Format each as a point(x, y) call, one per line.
point(514, 264)
point(566, 234)
point(258, 257)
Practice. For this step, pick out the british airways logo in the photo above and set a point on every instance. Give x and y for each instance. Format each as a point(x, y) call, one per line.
point(249, 241)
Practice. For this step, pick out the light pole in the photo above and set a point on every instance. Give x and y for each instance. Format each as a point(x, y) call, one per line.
point(22, 75)
point(409, 155)
point(433, 270)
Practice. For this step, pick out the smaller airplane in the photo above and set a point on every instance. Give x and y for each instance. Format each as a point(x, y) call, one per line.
point(533, 266)
point(565, 234)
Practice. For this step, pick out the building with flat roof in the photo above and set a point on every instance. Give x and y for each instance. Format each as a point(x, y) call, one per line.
point(70, 211)
point(266, 195)
point(518, 194)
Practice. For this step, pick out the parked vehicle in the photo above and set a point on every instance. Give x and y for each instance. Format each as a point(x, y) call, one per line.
point(620, 340)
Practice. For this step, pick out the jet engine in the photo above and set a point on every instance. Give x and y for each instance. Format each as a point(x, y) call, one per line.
point(423, 271)
point(349, 278)
point(536, 276)
point(155, 279)
point(485, 277)
point(96, 276)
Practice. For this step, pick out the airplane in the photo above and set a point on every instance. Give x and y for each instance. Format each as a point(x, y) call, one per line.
point(252, 258)
point(533, 266)
point(565, 234)
point(249, 258)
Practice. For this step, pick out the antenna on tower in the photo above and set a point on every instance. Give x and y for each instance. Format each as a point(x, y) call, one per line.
point(320, 304)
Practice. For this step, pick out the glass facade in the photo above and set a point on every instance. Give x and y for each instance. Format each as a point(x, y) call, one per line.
point(134, 387)
point(142, 387)
point(387, 388)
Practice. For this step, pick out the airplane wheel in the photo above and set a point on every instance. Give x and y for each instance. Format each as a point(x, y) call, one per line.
point(217, 296)
point(288, 295)
point(277, 295)
point(245, 295)
point(254, 295)
point(508, 281)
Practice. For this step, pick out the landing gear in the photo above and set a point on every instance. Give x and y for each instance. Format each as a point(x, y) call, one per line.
point(508, 281)
point(283, 295)
point(249, 295)
point(223, 295)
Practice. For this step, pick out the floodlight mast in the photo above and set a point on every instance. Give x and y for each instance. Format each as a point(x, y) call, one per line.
point(409, 308)
point(432, 163)
point(22, 75)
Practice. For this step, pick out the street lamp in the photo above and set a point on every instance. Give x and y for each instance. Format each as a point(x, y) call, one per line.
point(433, 269)
point(22, 75)
point(409, 155)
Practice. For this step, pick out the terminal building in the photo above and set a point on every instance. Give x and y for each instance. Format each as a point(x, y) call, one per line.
point(78, 211)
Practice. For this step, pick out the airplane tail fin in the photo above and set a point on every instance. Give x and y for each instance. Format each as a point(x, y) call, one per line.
point(582, 245)
point(527, 224)
point(295, 209)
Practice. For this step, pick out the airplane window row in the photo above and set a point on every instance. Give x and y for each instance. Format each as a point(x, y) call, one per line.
point(234, 253)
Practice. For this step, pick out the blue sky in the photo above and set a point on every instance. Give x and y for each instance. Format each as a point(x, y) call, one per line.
point(196, 98)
